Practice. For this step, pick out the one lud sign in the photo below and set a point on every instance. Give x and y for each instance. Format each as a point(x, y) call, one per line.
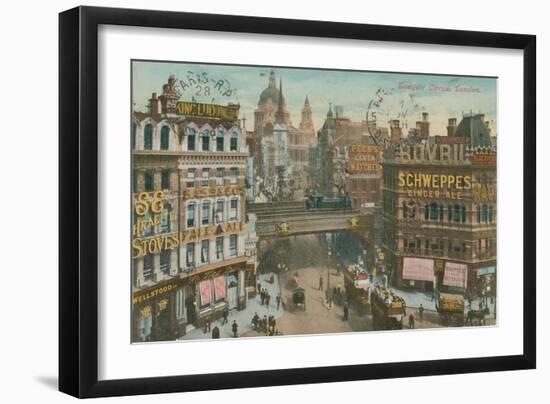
point(229, 113)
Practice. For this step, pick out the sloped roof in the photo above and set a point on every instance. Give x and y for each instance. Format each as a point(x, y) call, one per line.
point(473, 128)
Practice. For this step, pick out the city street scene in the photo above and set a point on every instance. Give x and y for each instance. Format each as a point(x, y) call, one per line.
point(271, 201)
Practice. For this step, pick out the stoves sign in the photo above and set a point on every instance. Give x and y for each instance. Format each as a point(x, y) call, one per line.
point(149, 211)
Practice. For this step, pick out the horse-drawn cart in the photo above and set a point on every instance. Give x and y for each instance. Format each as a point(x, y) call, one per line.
point(450, 307)
point(299, 299)
point(388, 309)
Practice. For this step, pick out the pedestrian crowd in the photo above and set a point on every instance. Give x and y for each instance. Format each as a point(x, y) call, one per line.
point(266, 325)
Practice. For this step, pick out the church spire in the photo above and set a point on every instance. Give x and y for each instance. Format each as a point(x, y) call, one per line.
point(306, 124)
point(280, 114)
point(272, 81)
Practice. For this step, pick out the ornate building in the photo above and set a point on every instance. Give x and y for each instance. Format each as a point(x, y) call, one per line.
point(190, 244)
point(440, 213)
point(281, 148)
point(326, 155)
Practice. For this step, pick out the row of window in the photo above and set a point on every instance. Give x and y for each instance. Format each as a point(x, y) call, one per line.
point(455, 213)
point(165, 225)
point(485, 247)
point(211, 212)
point(434, 245)
point(209, 139)
point(206, 175)
point(191, 260)
point(191, 181)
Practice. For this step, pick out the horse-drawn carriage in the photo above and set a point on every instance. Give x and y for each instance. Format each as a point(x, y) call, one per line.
point(299, 299)
point(388, 309)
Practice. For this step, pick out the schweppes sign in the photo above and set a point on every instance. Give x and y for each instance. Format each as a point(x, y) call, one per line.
point(230, 113)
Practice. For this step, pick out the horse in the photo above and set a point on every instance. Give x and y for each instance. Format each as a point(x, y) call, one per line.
point(478, 315)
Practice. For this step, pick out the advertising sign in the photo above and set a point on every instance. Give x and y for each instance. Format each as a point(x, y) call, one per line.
point(364, 159)
point(484, 159)
point(208, 111)
point(434, 185)
point(418, 269)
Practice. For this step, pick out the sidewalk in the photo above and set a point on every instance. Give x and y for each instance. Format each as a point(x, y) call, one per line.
point(243, 317)
point(414, 298)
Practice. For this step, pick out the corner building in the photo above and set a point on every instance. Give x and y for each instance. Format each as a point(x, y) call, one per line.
point(440, 215)
point(188, 246)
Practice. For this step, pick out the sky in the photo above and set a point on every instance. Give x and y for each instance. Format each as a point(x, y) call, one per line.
point(389, 95)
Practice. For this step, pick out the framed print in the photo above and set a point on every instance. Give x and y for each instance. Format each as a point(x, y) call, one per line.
point(242, 187)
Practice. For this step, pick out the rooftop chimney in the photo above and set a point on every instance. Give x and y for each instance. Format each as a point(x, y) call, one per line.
point(451, 127)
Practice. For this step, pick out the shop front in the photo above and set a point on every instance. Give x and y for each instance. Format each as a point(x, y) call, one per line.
point(153, 313)
point(418, 273)
point(484, 280)
point(218, 290)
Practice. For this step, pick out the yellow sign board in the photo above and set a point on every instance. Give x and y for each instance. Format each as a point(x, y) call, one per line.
point(229, 113)
point(429, 185)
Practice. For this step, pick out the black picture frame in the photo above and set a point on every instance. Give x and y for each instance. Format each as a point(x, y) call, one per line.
point(78, 200)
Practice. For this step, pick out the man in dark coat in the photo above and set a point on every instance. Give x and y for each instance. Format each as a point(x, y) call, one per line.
point(346, 312)
point(255, 320)
point(215, 333)
point(225, 314)
point(234, 328)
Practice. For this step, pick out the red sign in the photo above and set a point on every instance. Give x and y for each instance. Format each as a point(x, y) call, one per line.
point(450, 140)
point(219, 287)
point(418, 269)
point(205, 292)
point(484, 159)
point(455, 274)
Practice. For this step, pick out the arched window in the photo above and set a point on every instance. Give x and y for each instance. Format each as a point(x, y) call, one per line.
point(165, 138)
point(426, 212)
point(434, 211)
point(205, 139)
point(441, 209)
point(450, 213)
point(148, 137)
point(456, 216)
point(219, 140)
point(463, 211)
point(234, 140)
point(478, 214)
point(191, 139)
point(490, 213)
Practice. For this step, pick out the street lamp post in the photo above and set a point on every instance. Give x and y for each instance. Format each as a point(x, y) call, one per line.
point(329, 301)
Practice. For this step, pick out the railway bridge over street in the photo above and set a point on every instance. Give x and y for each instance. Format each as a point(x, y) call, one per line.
point(281, 219)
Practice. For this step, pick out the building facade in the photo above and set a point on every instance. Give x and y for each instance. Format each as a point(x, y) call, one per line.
point(189, 230)
point(439, 216)
point(281, 148)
